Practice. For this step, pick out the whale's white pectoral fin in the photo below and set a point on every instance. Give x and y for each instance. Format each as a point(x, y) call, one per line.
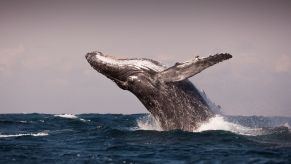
point(182, 71)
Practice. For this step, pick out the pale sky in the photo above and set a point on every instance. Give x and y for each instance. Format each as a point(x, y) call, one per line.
point(43, 43)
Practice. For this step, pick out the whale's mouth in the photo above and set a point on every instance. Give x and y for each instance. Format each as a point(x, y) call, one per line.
point(104, 64)
point(97, 58)
point(102, 59)
point(138, 64)
point(118, 70)
point(112, 68)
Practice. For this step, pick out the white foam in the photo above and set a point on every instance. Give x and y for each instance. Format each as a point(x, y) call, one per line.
point(23, 134)
point(81, 119)
point(66, 116)
point(216, 123)
point(219, 123)
point(40, 134)
point(287, 125)
point(148, 123)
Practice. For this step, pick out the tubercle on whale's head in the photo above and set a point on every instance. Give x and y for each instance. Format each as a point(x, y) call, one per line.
point(100, 62)
point(108, 66)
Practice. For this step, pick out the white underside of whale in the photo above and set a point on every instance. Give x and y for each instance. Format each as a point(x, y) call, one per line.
point(138, 63)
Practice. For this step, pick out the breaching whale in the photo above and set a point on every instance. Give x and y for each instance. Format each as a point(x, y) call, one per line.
point(168, 95)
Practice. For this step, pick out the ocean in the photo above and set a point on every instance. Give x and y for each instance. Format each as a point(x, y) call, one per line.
point(137, 138)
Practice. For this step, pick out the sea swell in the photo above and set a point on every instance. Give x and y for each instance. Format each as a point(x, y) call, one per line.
point(137, 138)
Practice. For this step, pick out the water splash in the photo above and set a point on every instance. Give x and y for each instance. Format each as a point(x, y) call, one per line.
point(287, 125)
point(219, 123)
point(147, 122)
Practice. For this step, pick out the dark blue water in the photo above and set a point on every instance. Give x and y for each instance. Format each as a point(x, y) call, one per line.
point(108, 138)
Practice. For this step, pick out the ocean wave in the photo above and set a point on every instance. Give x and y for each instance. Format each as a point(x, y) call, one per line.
point(66, 116)
point(216, 123)
point(23, 134)
point(219, 123)
point(71, 116)
point(287, 126)
point(137, 138)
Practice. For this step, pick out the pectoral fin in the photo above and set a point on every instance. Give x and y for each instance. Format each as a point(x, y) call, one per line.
point(182, 71)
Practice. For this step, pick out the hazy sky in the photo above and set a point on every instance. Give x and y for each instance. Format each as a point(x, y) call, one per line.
point(43, 43)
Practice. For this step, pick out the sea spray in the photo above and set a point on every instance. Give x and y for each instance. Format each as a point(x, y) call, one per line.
point(147, 122)
point(219, 123)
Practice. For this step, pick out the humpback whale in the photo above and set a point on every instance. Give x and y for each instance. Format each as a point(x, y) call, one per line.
point(173, 101)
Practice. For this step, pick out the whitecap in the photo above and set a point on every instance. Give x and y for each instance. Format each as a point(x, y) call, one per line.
point(287, 125)
point(23, 134)
point(84, 120)
point(66, 116)
point(219, 123)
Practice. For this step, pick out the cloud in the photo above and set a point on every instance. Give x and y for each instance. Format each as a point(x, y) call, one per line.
point(50, 62)
point(282, 64)
point(15, 58)
point(9, 58)
point(36, 62)
point(56, 63)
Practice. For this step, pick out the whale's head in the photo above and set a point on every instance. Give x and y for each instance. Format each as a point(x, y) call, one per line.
point(129, 74)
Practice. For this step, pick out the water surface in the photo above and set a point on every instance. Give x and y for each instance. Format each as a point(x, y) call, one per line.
point(136, 138)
